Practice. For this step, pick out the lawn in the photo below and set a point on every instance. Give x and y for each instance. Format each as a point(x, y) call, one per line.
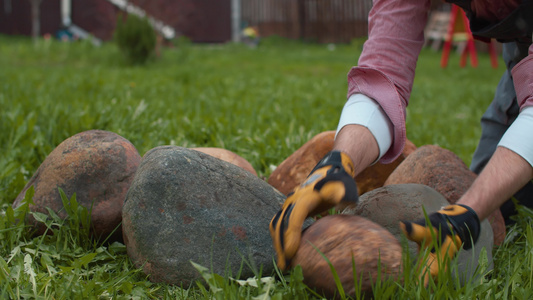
point(261, 103)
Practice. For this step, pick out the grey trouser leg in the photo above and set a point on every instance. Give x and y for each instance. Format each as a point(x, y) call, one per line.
point(500, 114)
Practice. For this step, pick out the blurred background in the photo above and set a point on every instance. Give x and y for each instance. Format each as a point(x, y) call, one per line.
point(201, 21)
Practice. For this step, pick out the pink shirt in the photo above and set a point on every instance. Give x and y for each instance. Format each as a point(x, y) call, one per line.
point(386, 67)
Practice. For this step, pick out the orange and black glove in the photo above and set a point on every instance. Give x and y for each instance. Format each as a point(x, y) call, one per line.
point(452, 226)
point(328, 184)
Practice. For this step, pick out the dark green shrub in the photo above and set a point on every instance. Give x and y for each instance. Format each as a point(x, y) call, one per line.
point(135, 38)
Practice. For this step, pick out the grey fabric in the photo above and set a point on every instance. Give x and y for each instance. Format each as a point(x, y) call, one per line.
point(500, 114)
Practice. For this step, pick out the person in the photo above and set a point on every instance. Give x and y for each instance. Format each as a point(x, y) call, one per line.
point(372, 128)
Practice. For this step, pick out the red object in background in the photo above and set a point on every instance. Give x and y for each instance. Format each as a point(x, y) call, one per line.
point(459, 25)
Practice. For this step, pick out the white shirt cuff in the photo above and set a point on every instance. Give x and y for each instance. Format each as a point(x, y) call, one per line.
point(362, 110)
point(519, 137)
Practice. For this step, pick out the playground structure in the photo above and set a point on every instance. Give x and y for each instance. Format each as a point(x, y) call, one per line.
point(446, 29)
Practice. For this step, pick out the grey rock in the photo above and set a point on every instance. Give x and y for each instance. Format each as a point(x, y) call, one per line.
point(184, 205)
point(391, 204)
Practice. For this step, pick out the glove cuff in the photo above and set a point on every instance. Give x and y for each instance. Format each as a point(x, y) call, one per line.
point(336, 159)
point(466, 226)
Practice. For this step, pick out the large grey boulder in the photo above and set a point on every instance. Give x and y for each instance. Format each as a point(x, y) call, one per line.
point(389, 205)
point(185, 206)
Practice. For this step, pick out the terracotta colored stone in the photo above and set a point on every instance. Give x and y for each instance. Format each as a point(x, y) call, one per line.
point(497, 222)
point(228, 156)
point(436, 167)
point(341, 238)
point(445, 172)
point(295, 169)
point(408, 148)
point(185, 205)
point(98, 166)
point(389, 205)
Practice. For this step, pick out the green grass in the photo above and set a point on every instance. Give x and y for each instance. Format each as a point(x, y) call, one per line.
point(262, 104)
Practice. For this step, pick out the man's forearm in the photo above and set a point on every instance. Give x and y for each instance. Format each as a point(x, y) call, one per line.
point(504, 175)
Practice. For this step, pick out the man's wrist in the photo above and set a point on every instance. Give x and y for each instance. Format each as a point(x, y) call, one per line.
point(362, 110)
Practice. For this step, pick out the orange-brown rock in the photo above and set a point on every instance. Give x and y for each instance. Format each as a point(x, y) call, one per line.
point(445, 172)
point(497, 222)
point(98, 166)
point(228, 156)
point(293, 170)
point(375, 176)
point(347, 239)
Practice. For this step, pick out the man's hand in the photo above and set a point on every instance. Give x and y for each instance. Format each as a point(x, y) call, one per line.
point(453, 226)
point(329, 183)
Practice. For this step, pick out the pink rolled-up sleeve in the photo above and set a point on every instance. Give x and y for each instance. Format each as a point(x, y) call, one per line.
point(386, 67)
point(523, 80)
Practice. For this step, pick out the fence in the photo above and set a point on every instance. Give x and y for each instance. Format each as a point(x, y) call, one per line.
point(323, 21)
